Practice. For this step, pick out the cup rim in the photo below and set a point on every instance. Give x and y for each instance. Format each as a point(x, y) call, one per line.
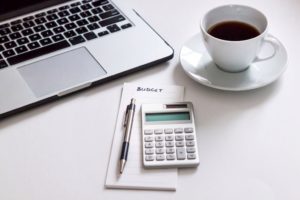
point(232, 41)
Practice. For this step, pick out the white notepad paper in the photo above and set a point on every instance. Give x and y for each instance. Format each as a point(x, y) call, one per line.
point(134, 175)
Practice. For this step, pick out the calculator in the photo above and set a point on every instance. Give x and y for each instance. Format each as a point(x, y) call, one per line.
point(169, 135)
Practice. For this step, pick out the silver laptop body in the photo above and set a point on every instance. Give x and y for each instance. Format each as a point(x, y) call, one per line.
point(35, 70)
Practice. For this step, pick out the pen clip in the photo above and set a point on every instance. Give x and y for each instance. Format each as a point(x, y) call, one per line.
point(126, 117)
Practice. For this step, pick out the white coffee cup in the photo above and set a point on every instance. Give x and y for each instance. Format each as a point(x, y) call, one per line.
point(236, 56)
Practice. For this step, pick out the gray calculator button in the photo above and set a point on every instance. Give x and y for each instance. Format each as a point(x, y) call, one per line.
point(171, 157)
point(168, 131)
point(158, 131)
point(149, 151)
point(188, 130)
point(160, 151)
point(180, 152)
point(170, 150)
point(159, 144)
point(189, 137)
point(159, 138)
point(191, 156)
point(160, 157)
point(169, 137)
point(178, 130)
point(191, 149)
point(179, 137)
point(149, 158)
point(169, 144)
point(148, 131)
point(190, 143)
point(179, 144)
point(149, 144)
point(148, 139)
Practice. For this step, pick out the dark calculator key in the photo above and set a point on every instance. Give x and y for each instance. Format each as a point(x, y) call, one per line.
point(99, 3)
point(28, 18)
point(15, 35)
point(70, 26)
point(52, 17)
point(109, 14)
point(82, 22)
point(4, 39)
point(1, 48)
point(17, 28)
point(39, 28)
point(93, 19)
point(38, 52)
point(28, 24)
point(5, 31)
point(33, 45)
point(57, 38)
point(40, 20)
point(126, 26)
point(4, 26)
point(63, 7)
point(51, 24)
point(112, 20)
point(103, 33)
point(93, 26)
point(21, 49)
point(74, 10)
point(85, 14)
point(47, 33)
point(45, 41)
point(42, 14)
point(69, 34)
point(59, 29)
point(108, 7)
point(97, 10)
point(74, 17)
point(63, 13)
point(75, 4)
point(8, 53)
point(27, 32)
point(52, 11)
point(76, 40)
point(62, 21)
point(16, 22)
point(3, 64)
point(22, 41)
point(10, 45)
point(35, 37)
point(86, 7)
point(90, 35)
point(81, 30)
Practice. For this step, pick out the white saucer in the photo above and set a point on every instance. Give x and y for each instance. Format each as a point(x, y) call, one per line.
point(198, 65)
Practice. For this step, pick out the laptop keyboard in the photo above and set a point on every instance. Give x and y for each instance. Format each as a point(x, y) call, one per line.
point(58, 28)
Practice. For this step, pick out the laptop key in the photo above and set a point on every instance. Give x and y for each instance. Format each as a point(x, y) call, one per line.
point(4, 26)
point(75, 4)
point(76, 40)
point(10, 45)
point(5, 31)
point(93, 19)
point(3, 64)
point(52, 11)
point(57, 38)
point(70, 33)
point(35, 37)
point(39, 28)
point(21, 49)
point(16, 22)
point(96, 10)
point(28, 24)
point(27, 32)
point(81, 30)
point(63, 13)
point(112, 20)
point(17, 28)
point(28, 18)
point(109, 14)
point(52, 17)
point(14, 36)
point(108, 7)
point(93, 26)
point(41, 20)
point(1, 48)
point(42, 14)
point(86, 7)
point(8, 53)
point(99, 3)
point(82, 22)
point(33, 45)
point(103, 33)
point(59, 29)
point(51, 24)
point(74, 10)
point(74, 17)
point(4, 39)
point(90, 35)
point(47, 33)
point(62, 21)
point(63, 7)
point(38, 52)
point(70, 26)
point(45, 41)
point(113, 28)
point(126, 26)
point(22, 41)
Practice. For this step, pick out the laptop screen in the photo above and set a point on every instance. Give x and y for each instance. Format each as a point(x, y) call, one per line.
point(12, 8)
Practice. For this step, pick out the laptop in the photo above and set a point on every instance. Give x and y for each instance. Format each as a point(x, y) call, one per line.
point(51, 48)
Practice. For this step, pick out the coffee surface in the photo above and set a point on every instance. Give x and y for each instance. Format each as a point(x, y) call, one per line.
point(233, 31)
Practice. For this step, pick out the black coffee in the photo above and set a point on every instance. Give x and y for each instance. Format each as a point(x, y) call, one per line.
point(233, 31)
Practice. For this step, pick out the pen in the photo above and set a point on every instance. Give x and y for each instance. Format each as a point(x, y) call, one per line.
point(129, 115)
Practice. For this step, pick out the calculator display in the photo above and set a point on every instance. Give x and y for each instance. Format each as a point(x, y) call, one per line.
point(167, 116)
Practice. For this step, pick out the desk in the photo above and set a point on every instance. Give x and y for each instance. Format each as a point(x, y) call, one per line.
point(249, 142)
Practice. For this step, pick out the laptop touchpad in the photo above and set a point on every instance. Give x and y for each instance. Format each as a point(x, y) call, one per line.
point(61, 72)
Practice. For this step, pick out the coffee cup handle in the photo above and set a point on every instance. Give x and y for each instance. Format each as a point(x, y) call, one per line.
point(275, 44)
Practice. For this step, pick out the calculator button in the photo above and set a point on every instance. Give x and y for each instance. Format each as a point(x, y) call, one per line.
point(178, 130)
point(148, 139)
point(179, 137)
point(158, 131)
point(179, 144)
point(189, 137)
point(160, 151)
point(149, 158)
point(169, 137)
point(148, 132)
point(170, 150)
point(149, 151)
point(180, 153)
point(190, 149)
point(149, 144)
point(191, 156)
point(168, 131)
point(170, 157)
point(159, 138)
point(190, 143)
point(159, 144)
point(169, 144)
point(188, 130)
point(160, 157)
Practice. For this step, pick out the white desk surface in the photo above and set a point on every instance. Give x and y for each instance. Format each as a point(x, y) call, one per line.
point(249, 142)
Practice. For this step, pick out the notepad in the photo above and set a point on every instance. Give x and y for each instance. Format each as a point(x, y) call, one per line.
point(135, 176)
